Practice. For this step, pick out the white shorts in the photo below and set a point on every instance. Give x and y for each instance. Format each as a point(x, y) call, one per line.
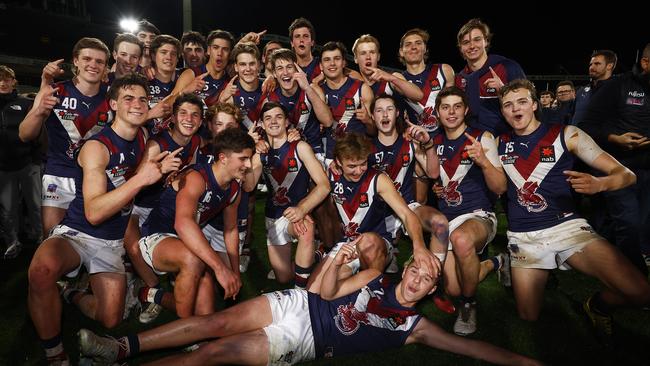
point(291, 339)
point(277, 231)
point(149, 243)
point(97, 255)
point(215, 238)
point(489, 218)
point(142, 213)
point(550, 248)
point(393, 223)
point(355, 265)
point(57, 191)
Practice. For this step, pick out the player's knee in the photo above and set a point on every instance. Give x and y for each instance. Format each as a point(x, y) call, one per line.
point(42, 275)
point(439, 224)
point(190, 263)
point(462, 243)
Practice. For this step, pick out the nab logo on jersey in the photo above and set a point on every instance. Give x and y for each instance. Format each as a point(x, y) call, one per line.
point(435, 85)
point(464, 158)
point(303, 108)
point(349, 104)
point(547, 154)
point(102, 118)
point(292, 165)
point(406, 160)
point(363, 200)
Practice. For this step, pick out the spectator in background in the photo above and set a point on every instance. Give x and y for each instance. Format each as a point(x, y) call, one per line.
point(546, 98)
point(601, 67)
point(269, 47)
point(566, 96)
point(20, 170)
point(618, 118)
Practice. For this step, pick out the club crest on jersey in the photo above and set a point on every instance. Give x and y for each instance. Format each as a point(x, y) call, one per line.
point(292, 165)
point(463, 83)
point(349, 104)
point(547, 154)
point(351, 230)
point(406, 160)
point(528, 197)
point(428, 119)
point(280, 197)
point(363, 200)
point(435, 85)
point(451, 194)
point(348, 319)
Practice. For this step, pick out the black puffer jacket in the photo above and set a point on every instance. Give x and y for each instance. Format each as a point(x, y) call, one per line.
point(14, 154)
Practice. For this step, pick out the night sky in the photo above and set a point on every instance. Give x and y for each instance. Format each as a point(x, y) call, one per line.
point(546, 41)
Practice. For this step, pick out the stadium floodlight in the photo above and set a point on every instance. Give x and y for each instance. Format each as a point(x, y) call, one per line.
point(129, 25)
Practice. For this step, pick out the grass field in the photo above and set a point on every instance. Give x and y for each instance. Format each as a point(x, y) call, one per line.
point(562, 335)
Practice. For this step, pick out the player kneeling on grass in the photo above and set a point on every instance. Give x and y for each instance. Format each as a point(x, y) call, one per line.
point(544, 230)
point(289, 167)
point(362, 313)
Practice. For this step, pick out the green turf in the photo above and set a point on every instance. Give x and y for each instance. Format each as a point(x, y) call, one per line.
point(562, 336)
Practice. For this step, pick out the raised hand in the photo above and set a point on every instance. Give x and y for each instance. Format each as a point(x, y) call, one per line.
point(197, 84)
point(51, 71)
point(46, 100)
point(494, 82)
point(253, 37)
point(171, 162)
point(475, 151)
point(229, 90)
point(300, 77)
point(417, 133)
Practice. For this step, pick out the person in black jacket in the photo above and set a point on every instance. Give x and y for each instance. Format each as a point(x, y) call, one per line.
point(618, 118)
point(20, 170)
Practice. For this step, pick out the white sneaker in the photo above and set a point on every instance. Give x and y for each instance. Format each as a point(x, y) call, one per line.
point(244, 261)
point(270, 275)
point(13, 250)
point(133, 285)
point(150, 313)
point(503, 274)
point(466, 321)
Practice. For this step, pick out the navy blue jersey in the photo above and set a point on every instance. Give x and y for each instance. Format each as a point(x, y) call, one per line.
point(343, 103)
point(149, 196)
point(213, 200)
point(124, 157)
point(288, 177)
point(213, 87)
point(484, 107)
point(370, 319)
point(73, 119)
point(313, 69)
point(539, 196)
point(398, 162)
point(158, 91)
point(301, 116)
point(360, 207)
point(431, 81)
point(382, 87)
point(464, 187)
point(242, 215)
point(250, 103)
